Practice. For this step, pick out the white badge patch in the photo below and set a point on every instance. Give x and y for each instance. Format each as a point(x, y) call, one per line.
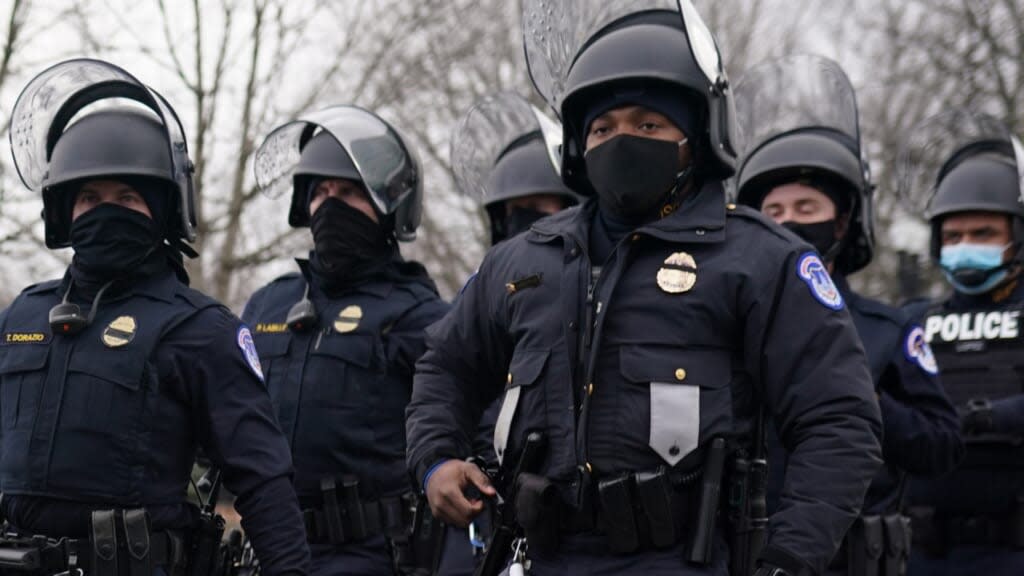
point(918, 351)
point(815, 275)
point(248, 348)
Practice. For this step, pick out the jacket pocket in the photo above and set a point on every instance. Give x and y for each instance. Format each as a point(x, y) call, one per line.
point(22, 368)
point(340, 370)
point(521, 396)
point(690, 397)
point(103, 393)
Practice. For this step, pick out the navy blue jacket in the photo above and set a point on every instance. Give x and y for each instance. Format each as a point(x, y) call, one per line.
point(680, 353)
point(990, 480)
point(921, 427)
point(340, 389)
point(113, 416)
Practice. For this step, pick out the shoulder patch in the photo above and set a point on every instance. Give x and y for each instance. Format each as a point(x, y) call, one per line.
point(811, 270)
point(248, 348)
point(917, 351)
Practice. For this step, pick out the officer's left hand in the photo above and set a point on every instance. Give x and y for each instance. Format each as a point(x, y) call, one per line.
point(977, 418)
point(446, 492)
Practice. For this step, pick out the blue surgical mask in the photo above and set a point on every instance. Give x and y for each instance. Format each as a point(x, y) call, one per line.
point(973, 268)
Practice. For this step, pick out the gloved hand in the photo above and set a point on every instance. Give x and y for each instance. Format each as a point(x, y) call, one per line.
point(977, 417)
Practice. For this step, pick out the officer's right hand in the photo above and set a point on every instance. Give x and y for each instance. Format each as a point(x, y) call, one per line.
point(446, 490)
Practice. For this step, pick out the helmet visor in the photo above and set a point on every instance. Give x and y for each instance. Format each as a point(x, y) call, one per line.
point(937, 144)
point(388, 169)
point(795, 93)
point(487, 132)
point(52, 99)
point(554, 32)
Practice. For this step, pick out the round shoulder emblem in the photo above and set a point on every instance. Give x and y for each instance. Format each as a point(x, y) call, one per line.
point(248, 348)
point(813, 272)
point(917, 351)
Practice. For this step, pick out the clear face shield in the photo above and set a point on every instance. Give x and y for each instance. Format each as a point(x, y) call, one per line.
point(555, 31)
point(389, 170)
point(795, 93)
point(936, 144)
point(489, 129)
point(50, 101)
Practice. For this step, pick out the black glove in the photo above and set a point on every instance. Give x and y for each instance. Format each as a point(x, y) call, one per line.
point(977, 418)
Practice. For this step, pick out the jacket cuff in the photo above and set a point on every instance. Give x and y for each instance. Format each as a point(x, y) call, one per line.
point(791, 563)
point(426, 465)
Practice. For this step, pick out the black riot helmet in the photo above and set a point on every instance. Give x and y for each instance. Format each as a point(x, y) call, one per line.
point(58, 143)
point(344, 142)
point(961, 161)
point(580, 52)
point(322, 158)
point(799, 123)
point(504, 149)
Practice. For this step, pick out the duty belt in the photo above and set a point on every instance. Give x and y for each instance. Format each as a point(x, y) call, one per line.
point(937, 532)
point(636, 511)
point(344, 517)
point(138, 553)
point(875, 546)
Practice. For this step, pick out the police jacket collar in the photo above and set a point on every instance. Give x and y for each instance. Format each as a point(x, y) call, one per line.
point(865, 306)
point(163, 285)
point(380, 289)
point(1010, 293)
point(699, 218)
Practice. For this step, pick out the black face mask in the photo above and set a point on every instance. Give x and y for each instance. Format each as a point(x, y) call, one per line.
point(111, 241)
point(347, 242)
point(633, 176)
point(520, 220)
point(821, 235)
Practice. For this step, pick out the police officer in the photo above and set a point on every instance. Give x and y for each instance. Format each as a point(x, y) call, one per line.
point(339, 339)
point(802, 167)
point(637, 333)
point(114, 375)
point(506, 153)
point(970, 521)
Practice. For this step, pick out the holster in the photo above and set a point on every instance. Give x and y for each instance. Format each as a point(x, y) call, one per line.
point(864, 546)
point(416, 548)
point(654, 492)
point(897, 545)
point(539, 511)
point(207, 554)
point(617, 516)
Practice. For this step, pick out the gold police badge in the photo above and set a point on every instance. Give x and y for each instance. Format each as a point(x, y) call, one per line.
point(348, 319)
point(119, 332)
point(678, 274)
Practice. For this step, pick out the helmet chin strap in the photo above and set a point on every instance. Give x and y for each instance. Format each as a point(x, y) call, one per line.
point(682, 178)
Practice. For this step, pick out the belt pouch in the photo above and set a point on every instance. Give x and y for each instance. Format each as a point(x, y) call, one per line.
point(538, 510)
point(897, 537)
point(104, 543)
point(136, 532)
point(353, 508)
point(864, 546)
point(655, 494)
point(332, 512)
point(617, 517)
